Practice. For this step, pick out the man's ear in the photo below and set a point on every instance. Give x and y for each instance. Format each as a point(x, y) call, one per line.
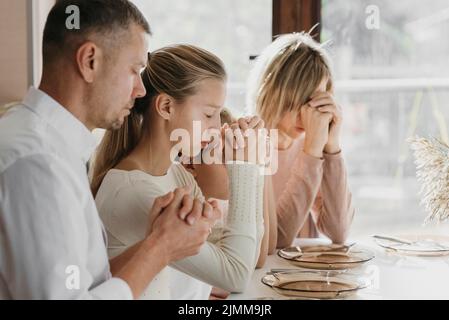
point(87, 58)
point(164, 106)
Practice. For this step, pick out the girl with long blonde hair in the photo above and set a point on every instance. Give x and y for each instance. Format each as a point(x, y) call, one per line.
point(133, 166)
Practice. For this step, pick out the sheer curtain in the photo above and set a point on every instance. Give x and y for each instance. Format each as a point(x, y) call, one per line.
point(234, 30)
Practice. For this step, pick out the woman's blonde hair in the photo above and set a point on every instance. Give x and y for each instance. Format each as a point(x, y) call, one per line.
point(285, 75)
point(174, 70)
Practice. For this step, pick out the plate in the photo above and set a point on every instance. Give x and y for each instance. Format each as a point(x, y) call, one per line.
point(329, 257)
point(424, 245)
point(312, 285)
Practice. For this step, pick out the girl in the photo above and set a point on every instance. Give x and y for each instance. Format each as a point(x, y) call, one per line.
point(184, 84)
point(291, 89)
point(207, 175)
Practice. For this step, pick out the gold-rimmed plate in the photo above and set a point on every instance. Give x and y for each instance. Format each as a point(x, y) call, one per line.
point(312, 285)
point(333, 257)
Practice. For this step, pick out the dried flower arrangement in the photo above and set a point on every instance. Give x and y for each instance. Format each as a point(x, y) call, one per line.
point(432, 170)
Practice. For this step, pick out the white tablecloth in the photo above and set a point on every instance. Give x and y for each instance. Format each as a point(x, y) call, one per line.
point(392, 276)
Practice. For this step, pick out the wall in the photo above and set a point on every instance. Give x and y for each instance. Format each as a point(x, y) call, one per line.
point(20, 41)
point(14, 63)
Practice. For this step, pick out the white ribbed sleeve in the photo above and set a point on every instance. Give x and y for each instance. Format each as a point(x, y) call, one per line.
point(229, 262)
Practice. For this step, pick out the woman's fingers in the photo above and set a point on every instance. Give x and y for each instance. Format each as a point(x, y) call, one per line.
point(187, 206)
point(321, 98)
point(160, 203)
point(229, 137)
point(197, 211)
point(254, 122)
point(321, 102)
point(213, 203)
point(178, 196)
point(207, 210)
point(238, 136)
point(312, 116)
point(324, 102)
point(319, 95)
point(260, 125)
point(223, 132)
point(243, 124)
point(216, 212)
point(331, 109)
point(328, 117)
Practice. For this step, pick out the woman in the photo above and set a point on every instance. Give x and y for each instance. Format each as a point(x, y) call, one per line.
point(291, 89)
point(185, 85)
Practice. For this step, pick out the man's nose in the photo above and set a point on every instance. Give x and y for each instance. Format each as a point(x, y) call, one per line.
point(139, 90)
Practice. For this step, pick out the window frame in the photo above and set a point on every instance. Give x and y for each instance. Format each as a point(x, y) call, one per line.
point(296, 16)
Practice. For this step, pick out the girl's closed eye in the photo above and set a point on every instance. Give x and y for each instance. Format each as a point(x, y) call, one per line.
point(210, 115)
point(210, 111)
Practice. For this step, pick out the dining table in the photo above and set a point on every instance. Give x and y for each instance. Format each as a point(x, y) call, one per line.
point(390, 275)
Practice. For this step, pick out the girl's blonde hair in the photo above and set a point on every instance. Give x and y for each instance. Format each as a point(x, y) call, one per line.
point(285, 75)
point(174, 70)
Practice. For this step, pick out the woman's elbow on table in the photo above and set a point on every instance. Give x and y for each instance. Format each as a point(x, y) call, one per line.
point(284, 240)
point(261, 261)
point(239, 281)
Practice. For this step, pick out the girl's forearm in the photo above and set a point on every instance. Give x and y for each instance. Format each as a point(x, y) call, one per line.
point(270, 209)
point(265, 240)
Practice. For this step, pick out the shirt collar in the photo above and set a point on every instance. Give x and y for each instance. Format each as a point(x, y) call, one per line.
point(74, 133)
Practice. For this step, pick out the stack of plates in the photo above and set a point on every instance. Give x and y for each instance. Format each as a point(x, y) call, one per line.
point(314, 285)
point(331, 257)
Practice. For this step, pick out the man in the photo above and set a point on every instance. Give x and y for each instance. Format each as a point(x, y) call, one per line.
point(52, 242)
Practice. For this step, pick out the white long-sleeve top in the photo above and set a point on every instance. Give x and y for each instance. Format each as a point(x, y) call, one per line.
point(52, 244)
point(227, 260)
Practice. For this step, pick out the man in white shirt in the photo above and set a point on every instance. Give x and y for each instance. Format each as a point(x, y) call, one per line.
point(52, 242)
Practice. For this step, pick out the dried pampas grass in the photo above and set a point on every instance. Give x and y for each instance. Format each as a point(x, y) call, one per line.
point(432, 170)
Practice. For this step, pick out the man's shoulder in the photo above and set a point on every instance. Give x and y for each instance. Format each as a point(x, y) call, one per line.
point(22, 134)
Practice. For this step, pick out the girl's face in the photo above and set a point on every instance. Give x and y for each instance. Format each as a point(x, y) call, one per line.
point(198, 114)
point(291, 124)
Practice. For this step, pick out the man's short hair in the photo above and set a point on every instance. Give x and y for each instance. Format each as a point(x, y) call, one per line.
point(108, 19)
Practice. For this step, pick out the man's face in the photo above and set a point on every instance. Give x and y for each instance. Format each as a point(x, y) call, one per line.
point(118, 83)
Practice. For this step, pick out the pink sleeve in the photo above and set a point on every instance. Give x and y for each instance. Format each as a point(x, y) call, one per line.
point(333, 206)
point(296, 201)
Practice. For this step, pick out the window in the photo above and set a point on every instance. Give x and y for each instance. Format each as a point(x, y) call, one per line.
point(232, 29)
point(393, 82)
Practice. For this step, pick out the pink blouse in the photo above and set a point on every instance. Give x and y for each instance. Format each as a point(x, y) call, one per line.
point(311, 195)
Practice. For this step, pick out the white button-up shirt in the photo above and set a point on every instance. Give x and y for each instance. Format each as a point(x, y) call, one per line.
point(52, 243)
